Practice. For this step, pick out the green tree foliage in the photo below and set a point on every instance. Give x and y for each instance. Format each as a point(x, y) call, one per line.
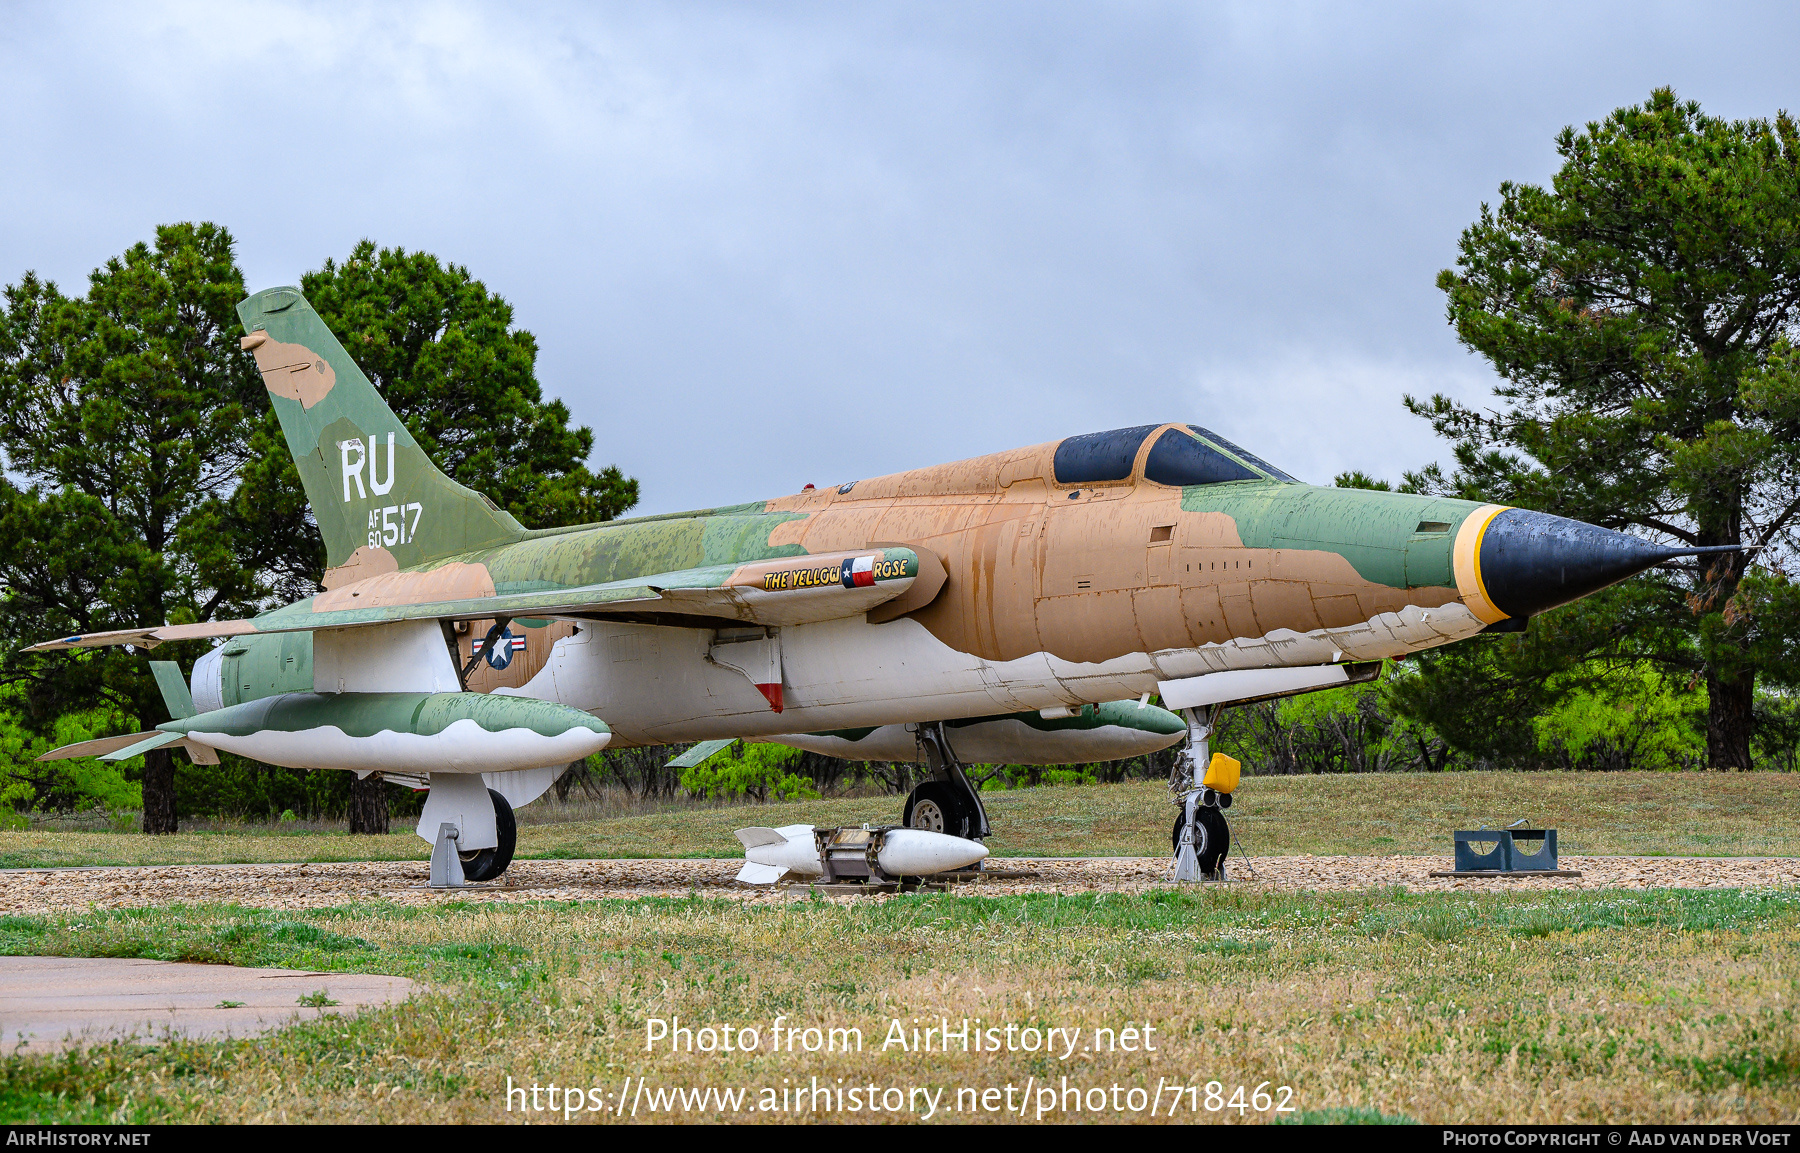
point(1355, 729)
point(985, 777)
point(147, 481)
point(762, 772)
point(1357, 478)
point(1635, 717)
point(1483, 695)
point(644, 773)
point(240, 788)
point(64, 786)
point(1638, 311)
point(124, 412)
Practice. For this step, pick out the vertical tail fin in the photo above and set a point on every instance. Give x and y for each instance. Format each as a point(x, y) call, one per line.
point(380, 502)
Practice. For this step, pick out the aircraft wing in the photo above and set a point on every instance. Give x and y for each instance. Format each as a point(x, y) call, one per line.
point(783, 591)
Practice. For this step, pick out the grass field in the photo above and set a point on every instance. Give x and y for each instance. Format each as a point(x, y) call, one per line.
point(1678, 814)
point(1553, 1006)
point(1658, 1006)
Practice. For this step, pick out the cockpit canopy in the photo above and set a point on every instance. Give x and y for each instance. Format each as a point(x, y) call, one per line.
point(1182, 455)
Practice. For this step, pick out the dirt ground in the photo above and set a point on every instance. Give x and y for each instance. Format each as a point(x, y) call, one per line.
point(312, 886)
point(1376, 814)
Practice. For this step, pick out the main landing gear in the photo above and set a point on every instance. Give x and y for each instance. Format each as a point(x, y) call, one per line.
point(486, 864)
point(1201, 837)
point(947, 803)
point(452, 867)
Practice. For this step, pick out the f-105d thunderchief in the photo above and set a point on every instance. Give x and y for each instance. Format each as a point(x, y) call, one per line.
point(1020, 607)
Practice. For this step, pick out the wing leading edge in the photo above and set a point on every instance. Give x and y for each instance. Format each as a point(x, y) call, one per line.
point(784, 591)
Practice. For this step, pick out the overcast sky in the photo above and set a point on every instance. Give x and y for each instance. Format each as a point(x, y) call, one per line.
point(764, 244)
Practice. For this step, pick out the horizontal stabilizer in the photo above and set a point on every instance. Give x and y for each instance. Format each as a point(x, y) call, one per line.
point(125, 746)
point(97, 747)
point(753, 837)
point(700, 752)
point(755, 874)
point(142, 747)
point(175, 691)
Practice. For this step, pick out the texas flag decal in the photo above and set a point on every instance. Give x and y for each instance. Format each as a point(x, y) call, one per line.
point(859, 572)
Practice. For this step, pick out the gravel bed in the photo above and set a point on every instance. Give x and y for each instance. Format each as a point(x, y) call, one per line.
point(322, 885)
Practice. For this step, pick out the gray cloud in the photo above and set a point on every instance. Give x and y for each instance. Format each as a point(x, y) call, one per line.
point(762, 246)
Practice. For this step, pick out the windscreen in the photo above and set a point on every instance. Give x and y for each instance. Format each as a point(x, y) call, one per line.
point(1249, 458)
point(1177, 459)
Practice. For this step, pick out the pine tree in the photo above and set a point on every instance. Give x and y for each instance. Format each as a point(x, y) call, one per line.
point(1639, 311)
point(126, 413)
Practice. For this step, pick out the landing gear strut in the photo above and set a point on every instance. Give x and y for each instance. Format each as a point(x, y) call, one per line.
point(1201, 837)
point(947, 803)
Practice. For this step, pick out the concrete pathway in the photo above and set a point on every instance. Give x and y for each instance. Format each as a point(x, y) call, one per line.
point(51, 1003)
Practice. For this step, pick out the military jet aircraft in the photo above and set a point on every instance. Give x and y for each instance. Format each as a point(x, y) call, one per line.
point(1018, 607)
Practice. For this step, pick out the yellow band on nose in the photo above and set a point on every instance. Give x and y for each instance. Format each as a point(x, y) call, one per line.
point(1467, 558)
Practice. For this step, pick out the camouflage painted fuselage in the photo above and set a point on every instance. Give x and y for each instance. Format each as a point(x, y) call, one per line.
point(1010, 587)
point(1056, 594)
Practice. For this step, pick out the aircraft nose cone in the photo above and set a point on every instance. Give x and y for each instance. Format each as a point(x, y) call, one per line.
point(1531, 561)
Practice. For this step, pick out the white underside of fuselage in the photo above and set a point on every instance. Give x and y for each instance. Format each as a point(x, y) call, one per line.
point(1001, 741)
point(655, 685)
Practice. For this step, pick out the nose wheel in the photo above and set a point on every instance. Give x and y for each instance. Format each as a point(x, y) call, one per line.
point(1201, 838)
point(1212, 838)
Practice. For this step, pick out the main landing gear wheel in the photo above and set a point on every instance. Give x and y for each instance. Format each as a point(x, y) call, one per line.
point(486, 864)
point(1212, 838)
point(935, 807)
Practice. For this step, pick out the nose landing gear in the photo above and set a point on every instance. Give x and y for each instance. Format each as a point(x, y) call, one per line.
point(1201, 838)
point(1211, 838)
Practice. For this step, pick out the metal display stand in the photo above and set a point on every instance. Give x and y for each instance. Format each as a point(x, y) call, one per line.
point(446, 864)
point(1507, 858)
